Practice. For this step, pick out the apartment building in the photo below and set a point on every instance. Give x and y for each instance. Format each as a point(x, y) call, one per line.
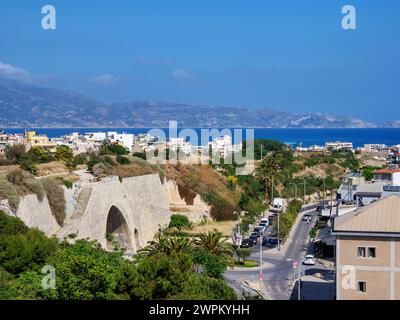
point(388, 176)
point(368, 252)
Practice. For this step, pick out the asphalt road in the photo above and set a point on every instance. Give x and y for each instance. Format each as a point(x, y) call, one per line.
point(277, 277)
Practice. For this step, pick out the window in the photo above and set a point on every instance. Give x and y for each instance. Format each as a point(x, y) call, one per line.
point(362, 287)
point(371, 252)
point(361, 252)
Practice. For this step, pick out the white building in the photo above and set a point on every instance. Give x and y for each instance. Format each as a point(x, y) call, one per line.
point(95, 136)
point(124, 139)
point(337, 145)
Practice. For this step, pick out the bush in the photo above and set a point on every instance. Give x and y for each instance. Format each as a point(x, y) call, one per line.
point(56, 198)
point(8, 191)
point(68, 184)
point(63, 153)
point(179, 221)
point(38, 155)
point(200, 287)
point(27, 251)
point(123, 160)
point(99, 170)
point(29, 166)
point(111, 148)
point(11, 226)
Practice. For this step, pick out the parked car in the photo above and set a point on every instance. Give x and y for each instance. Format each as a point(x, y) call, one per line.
point(254, 239)
point(319, 209)
point(271, 219)
point(309, 260)
point(264, 220)
point(259, 230)
point(264, 241)
point(247, 243)
point(263, 224)
point(255, 234)
point(307, 217)
point(271, 242)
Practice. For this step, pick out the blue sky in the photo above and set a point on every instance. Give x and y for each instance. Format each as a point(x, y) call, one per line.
point(287, 55)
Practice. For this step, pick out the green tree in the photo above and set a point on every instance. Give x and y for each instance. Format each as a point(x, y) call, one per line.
point(215, 243)
point(26, 251)
point(179, 221)
point(157, 277)
point(242, 254)
point(168, 245)
point(63, 153)
point(200, 287)
point(11, 226)
point(38, 155)
point(85, 271)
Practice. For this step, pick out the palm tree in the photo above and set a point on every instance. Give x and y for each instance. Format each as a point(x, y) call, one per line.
point(167, 245)
point(215, 243)
point(269, 169)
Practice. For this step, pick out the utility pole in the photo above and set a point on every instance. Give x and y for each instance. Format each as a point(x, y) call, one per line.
point(323, 205)
point(279, 241)
point(304, 181)
point(261, 266)
point(272, 191)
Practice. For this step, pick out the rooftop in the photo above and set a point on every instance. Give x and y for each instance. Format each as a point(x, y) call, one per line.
point(382, 216)
point(387, 170)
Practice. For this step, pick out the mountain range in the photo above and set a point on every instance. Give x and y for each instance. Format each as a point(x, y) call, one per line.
point(25, 105)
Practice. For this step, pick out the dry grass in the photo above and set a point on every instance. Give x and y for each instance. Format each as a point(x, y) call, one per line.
point(176, 209)
point(55, 167)
point(201, 179)
point(5, 170)
point(225, 227)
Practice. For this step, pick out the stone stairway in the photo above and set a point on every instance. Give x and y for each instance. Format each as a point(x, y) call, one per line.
point(80, 209)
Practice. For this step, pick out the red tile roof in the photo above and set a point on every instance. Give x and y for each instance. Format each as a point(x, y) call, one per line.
point(387, 171)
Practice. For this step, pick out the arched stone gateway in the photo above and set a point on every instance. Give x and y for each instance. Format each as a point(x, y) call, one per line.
point(117, 229)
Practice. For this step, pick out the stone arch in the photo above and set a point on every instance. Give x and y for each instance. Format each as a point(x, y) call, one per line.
point(117, 229)
point(137, 239)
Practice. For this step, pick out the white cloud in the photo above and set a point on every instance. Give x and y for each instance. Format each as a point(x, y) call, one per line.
point(181, 74)
point(9, 71)
point(104, 79)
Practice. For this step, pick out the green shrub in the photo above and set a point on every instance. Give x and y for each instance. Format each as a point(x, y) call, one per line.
point(179, 221)
point(29, 166)
point(68, 184)
point(27, 251)
point(10, 225)
point(8, 191)
point(56, 198)
point(123, 160)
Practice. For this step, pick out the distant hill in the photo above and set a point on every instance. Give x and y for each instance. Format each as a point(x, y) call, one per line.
point(26, 105)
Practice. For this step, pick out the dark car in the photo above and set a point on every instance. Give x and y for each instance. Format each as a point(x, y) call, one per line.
point(259, 230)
point(319, 209)
point(254, 239)
point(255, 234)
point(271, 219)
point(272, 242)
point(247, 243)
point(264, 241)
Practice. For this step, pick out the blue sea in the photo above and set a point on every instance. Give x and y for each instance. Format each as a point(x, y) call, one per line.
point(305, 137)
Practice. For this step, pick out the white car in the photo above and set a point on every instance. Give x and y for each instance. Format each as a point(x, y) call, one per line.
point(309, 260)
